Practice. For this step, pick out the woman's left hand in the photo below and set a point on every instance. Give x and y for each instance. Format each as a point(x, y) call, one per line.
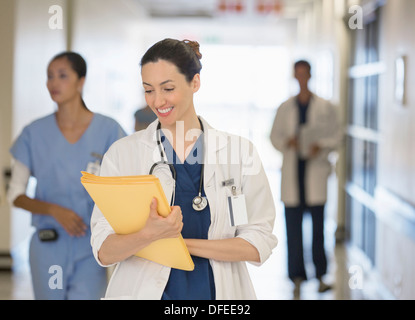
point(231, 250)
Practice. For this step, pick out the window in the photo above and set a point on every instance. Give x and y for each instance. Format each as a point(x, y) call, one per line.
point(242, 87)
point(362, 142)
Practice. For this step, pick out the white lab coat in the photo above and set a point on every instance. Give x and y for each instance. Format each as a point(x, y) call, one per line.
point(320, 113)
point(137, 278)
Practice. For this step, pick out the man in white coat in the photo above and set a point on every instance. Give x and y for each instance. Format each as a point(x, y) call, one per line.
point(306, 129)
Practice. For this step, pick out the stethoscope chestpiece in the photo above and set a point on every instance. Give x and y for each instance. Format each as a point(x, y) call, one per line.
point(199, 203)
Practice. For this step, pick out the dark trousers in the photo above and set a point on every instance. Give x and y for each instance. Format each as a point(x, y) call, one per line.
point(294, 224)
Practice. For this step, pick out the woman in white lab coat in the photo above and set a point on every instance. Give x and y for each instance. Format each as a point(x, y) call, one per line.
point(171, 76)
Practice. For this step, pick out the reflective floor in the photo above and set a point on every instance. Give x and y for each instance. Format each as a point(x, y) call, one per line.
point(270, 280)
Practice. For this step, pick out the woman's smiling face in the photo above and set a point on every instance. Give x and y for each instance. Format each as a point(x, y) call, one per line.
point(168, 93)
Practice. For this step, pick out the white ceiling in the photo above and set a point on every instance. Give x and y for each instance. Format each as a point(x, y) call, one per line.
point(208, 8)
point(179, 8)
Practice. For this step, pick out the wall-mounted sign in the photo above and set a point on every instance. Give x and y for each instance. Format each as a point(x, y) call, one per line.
point(400, 80)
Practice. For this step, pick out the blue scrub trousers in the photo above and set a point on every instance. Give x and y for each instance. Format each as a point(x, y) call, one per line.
point(65, 269)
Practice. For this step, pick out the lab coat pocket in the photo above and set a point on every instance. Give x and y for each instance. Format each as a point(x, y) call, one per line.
point(228, 230)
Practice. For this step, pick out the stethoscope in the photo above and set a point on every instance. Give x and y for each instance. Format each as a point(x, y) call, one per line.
point(199, 203)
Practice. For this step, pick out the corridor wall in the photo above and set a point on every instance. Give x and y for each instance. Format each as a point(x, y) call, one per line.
point(395, 194)
point(6, 101)
point(381, 172)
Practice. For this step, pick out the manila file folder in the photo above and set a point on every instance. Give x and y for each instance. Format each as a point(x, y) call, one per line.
point(125, 203)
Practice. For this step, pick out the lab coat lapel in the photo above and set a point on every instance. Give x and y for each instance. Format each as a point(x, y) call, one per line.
point(152, 154)
point(214, 141)
point(313, 111)
point(149, 138)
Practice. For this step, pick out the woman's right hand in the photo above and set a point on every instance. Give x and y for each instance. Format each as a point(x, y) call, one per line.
point(69, 220)
point(159, 227)
point(118, 247)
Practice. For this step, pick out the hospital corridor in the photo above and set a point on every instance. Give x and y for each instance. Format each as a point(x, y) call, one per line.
point(319, 90)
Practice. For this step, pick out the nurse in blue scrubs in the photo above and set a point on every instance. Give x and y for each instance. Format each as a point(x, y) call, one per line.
point(54, 150)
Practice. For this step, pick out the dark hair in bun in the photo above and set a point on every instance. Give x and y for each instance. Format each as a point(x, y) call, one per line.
point(185, 55)
point(195, 47)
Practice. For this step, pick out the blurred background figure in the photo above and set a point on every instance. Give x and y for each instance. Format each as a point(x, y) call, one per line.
point(361, 53)
point(306, 129)
point(143, 117)
point(54, 150)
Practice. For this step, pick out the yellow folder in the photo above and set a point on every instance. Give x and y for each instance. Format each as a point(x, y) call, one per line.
point(125, 203)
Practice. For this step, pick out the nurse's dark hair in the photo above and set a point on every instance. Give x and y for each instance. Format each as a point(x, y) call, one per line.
point(78, 64)
point(303, 63)
point(185, 55)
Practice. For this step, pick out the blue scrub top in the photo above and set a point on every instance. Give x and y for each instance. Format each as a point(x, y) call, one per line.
point(57, 164)
point(197, 284)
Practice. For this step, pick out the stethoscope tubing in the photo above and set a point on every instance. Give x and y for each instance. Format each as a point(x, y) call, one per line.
point(199, 202)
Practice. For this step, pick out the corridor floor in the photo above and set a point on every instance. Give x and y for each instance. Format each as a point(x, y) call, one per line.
point(270, 280)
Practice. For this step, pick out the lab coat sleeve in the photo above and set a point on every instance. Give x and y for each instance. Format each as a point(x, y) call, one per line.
point(260, 207)
point(100, 228)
